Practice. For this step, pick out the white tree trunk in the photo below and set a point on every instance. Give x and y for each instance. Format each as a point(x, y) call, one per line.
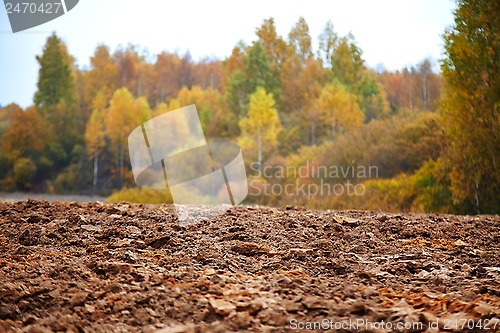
point(259, 150)
point(96, 171)
point(313, 132)
point(121, 158)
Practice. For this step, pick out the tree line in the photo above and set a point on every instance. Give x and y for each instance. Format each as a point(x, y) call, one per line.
point(433, 136)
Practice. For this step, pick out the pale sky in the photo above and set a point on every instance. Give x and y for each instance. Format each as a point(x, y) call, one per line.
point(396, 33)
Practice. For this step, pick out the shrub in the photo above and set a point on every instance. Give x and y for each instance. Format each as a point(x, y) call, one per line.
point(140, 195)
point(24, 171)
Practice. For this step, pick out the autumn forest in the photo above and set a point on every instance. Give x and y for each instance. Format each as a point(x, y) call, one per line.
point(429, 132)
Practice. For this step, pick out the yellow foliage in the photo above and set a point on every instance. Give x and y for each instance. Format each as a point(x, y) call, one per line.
point(124, 115)
point(260, 129)
point(339, 109)
point(94, 133)
point(139, 195)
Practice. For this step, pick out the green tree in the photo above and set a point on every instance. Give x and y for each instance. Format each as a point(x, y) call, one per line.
point(56, 98)
point(347, 62)
point(254, 71)
point(471, 69)
point(236, 93)
point(372, 96)
point(258, 71)
point(55, 81)
point(260, 129)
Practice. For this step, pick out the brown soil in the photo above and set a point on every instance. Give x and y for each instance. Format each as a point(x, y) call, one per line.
point(93, 267)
